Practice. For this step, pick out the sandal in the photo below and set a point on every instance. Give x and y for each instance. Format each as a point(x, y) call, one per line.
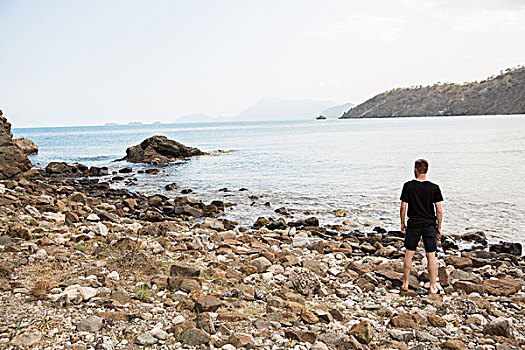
point(404, 289)
point(438, 292)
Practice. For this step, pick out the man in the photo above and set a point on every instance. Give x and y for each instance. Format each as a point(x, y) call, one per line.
point(422, 197)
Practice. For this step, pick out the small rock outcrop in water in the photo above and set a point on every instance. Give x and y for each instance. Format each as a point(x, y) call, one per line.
point(13, 161)
point(27, 145)
point(502, 94)
point(160, 150)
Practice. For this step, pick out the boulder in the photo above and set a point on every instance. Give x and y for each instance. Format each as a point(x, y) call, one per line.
point(454, 344)
point(208, 303)
point(436, 321)
point(469, 287)
point(404, 321)
point(13, 161)
point(305, 281)
point(240, 340)
point(458, 262)
point(363, 332)
point(91, 324)
point(262, 264)
point(184, 270)
point(506, 247)
point(499, 326)
point(159, 150)
point(302, 336)
point(58, 168)
point(27, 339)
point(146, 338)
point(502, 287)
point(26, 145)
point(195, 336)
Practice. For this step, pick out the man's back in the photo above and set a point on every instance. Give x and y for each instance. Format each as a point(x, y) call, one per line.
point(421, 196)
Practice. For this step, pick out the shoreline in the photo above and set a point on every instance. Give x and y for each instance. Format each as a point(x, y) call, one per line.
point(117, 268)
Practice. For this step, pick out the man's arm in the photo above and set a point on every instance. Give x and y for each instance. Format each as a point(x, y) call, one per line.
point(403, 212)
point(439, 214)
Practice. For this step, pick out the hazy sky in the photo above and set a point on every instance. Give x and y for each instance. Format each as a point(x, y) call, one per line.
point(90, 62)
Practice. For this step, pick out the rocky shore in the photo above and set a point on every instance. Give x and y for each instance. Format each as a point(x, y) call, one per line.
point(85, 266)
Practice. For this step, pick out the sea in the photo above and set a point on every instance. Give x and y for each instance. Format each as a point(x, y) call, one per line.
point(315, 167)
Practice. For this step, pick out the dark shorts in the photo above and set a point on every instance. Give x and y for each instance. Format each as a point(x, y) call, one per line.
point(429, 234)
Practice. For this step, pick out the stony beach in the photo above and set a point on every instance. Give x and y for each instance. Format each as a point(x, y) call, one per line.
point(86, 266)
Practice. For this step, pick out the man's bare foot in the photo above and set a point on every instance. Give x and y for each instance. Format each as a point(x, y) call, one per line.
point(404, 288)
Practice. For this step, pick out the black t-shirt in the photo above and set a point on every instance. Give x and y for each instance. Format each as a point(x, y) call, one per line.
point(421, 196)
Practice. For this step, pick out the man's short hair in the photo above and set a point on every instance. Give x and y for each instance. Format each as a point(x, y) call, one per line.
point(421, 166)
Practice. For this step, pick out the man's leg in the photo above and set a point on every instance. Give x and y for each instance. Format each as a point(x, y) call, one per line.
point(432, 271)
point(430, 243)
point(407, 266)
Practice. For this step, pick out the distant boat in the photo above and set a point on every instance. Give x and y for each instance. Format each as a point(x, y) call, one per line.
point(321, 117)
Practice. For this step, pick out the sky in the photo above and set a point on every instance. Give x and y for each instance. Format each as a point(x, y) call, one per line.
point(77, 62)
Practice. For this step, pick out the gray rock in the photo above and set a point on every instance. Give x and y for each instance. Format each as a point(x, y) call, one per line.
point(5, 240)
point(426, 337)
point(195, 337)
point(304, 242)
point(159, 333)
point(27, 339)
point(159, 150)
point(459, 306)
point(319, 346)
point(146, 338)
point(262, 264)
point(399, 335)
point(91, 324)
point(333, 338)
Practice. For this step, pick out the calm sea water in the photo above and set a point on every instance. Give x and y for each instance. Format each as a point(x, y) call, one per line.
point(316, 167)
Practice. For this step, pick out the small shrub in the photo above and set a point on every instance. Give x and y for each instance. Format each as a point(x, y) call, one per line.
point(142, 293)
point(41, 288)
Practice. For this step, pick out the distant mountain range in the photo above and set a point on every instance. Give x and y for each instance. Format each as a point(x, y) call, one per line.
point(336, 111)
point(501, 94)
point(273, 108)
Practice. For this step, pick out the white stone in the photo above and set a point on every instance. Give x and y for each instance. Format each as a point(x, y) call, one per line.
point(267, 276)
point(87, 292)
point(100, 229)
point(335, 271)
point(159, 333)
point(57, 217)
point(113, 275)
point(178, 319)
point(73, 293)
point(40, 254)
point(304, 242)
point(155, 247)
point(276, 269)
point(60, 240)
point(93, 217)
